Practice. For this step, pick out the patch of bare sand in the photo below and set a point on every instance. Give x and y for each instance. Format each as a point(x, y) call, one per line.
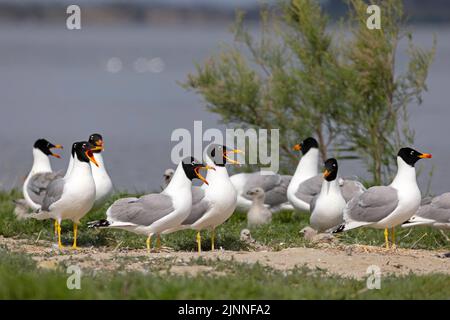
point(348, 261)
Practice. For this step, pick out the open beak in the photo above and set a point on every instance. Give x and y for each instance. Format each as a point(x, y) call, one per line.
point(425, 156)
point(297, 147)
point(225, 155)
point(91, 157)
point(58, 146)
point(200, 176)
point(326, 173)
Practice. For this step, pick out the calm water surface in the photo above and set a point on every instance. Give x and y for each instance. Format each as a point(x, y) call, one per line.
point(55, 84)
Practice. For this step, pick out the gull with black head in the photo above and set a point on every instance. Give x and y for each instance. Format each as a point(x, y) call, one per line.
point(384, 207)
point(306, 182)
point(41, 174)
point(103, 184)
point(153, 213)
point(212, 205)
point(71, 197)
point(327, 207)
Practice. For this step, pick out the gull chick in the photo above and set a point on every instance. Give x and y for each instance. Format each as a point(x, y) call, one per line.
point(258, 214)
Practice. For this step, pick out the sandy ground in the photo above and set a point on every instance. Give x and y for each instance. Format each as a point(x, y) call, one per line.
point(348, 261)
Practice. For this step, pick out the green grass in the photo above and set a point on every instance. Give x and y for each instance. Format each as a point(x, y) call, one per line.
point(282, 232)
point(20, 279)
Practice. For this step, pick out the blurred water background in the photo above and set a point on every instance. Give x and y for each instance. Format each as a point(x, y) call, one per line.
point(118, 76)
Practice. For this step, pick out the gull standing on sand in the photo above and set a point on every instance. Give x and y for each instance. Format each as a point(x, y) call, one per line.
point(384, 207)
point(434, 214)
point(41, 174)
point(306, 182)
point(212, 205)
point(327, 207)
point(153, 213)
point(73, 196)
point(258, 214)
point(274, 186)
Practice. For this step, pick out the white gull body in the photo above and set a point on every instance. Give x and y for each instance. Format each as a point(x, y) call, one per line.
point(327, 208)
point(154, 213)
point(71, 197)
point(41, 164)
point(103, 183)
point(217, 201)
point(307, 168)
point(389, 206)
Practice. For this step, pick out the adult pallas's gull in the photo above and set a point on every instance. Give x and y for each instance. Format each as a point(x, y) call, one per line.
point(327, 207)
point(274, 186)
point(103, 183)
point(41, 174)
point(258, 214)
point(153, 213)
point(435, 214)
point(212, 205)
point(306, 183)
point(384, 207)
point(73, 196)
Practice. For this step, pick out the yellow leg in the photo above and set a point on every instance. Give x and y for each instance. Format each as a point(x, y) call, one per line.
point(75, 234)
point(149, 239)
point(393, 237)
point(56, 227)
point(59, 235)
point(386, 237)
point(213, 235)
point(158, 242)
point(199, 242)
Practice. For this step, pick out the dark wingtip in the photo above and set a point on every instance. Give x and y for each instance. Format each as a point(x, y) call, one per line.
point(98, 224)
point(339, 229)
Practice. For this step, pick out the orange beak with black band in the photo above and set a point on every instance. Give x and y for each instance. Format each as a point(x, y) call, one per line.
point(196, 170)
point(297, 147)
point(425, 156)
point(225, 156)
point(58, 146)
point(326, 173)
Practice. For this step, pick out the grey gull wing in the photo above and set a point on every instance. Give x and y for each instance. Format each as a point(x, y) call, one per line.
point(142, 211)
point(438, 210)
point(278, 194)
point(199, 206)
point(373, 205)
point(308, 189)
point(351, 188)
point(274, 186)
point(313, 202)
point(54, 192)
point(38, 184)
